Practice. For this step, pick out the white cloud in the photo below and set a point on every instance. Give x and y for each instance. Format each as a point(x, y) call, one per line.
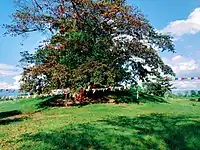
point(176, 58)
point(4, 85)
point(185, 67)
point(7, 67)
point(7, 73)
point(187, 85)
point(191, 25)
point(8, 70)
point(14, 85)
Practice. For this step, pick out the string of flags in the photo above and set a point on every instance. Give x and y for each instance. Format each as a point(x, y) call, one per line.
point(63, 91)
point(181, 78)
point(166, 78)
point(112, 88)
point(9, 90)
point(59, 91)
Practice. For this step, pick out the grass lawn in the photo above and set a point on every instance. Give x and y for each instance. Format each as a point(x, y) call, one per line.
point(173, 125)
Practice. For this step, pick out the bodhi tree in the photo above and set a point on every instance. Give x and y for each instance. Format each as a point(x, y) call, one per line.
point(92, 41)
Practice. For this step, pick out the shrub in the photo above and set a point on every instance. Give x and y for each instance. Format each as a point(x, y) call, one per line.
point(192, 99)
point(126, 96)
point(130, 96)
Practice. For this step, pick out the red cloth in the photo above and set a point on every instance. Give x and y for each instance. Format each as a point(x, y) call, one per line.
point(81, 94)
point(65, 92)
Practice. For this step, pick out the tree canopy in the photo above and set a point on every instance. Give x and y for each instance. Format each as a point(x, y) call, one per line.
point(93, 41)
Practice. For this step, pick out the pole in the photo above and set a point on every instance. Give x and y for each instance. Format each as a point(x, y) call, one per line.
point(137, 95)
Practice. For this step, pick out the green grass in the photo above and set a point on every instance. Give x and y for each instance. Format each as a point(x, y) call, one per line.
point(172, 125)
point(24, 105)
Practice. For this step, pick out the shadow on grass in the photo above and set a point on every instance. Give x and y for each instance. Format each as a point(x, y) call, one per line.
point(177, 132)
point(151, 98)
point(60, 101)
point(130, 96)
point(9, 113)
point(49, 101)
point(9, 121)
point(146, 132)
point(126, 96)
point(9, 117)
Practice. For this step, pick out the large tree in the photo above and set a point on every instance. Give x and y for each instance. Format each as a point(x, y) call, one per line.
point(96, 41)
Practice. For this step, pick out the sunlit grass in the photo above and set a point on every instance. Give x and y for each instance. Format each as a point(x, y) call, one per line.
point(172, 125)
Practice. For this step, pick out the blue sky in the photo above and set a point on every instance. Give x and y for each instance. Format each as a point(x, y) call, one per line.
point(180, 18)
